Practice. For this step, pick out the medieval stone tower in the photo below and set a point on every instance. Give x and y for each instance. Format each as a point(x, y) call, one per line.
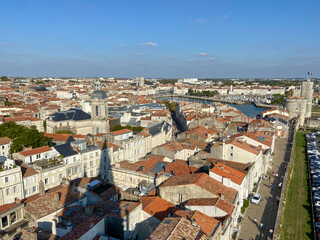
point(99, 111)
point(301, 106)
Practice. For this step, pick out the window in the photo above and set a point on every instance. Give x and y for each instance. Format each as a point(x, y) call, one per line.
point(34, 189)
point(74, 159)
point(97, 154)
point(85, 165)
point(14, 189)
point(97, 111)
point(26, 192)
point(6, 179)
point(69, 172)
point(91, 163)
point(91, 173)
point(38, 156)
point(46, 181)
point(60, 177)
point(13, 217)
point(180, 197)
point(7, 191)
point(4, 222)
point(231, 147)
point(231, 154)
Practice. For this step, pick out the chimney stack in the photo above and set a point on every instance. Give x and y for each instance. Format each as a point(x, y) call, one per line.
point(56, 197)
point(54, 226)
point(69, 226)
point(41, 189)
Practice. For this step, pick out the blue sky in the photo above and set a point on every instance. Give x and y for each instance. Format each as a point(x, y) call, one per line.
point(172, 38)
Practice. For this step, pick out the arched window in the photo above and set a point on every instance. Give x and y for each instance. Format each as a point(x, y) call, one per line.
point(97, 111)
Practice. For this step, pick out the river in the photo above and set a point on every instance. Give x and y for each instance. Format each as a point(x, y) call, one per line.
point(248, 109)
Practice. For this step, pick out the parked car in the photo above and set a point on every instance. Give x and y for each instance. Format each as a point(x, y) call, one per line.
point(256, 198)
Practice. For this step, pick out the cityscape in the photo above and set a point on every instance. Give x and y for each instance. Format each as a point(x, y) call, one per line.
point(142, 120)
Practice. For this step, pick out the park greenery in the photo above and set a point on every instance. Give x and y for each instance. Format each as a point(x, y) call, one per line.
point(296, 218)
point(171, 106)
point(278, 99)
point(315, 108)
point(65, 132)
point(133, 128)
point(3, 78)
point(203, 93)
point(23, 137)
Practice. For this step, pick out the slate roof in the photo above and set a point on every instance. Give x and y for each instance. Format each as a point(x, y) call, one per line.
point(66, 150)
point(155, 128)
point(74, 114)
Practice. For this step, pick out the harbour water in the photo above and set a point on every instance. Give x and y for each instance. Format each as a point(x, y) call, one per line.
point(248, 109)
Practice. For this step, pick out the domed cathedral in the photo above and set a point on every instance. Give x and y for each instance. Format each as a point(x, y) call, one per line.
point(99, 110)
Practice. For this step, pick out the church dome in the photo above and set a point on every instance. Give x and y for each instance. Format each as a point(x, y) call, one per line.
point(99, 94)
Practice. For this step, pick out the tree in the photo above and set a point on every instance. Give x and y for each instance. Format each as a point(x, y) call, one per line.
point(133, 128)
point(23, 137)
point(278, 99)
point(4, 78)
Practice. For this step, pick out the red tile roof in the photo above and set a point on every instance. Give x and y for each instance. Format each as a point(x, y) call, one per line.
point(204, 181)
point(228, 172)
point(119, 132)
point(7, 207)
point(157, 207)
point(35, 151)
point(4, 140)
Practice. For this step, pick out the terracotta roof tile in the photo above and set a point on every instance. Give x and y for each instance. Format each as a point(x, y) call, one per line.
point(157, 207)
point(4, 140)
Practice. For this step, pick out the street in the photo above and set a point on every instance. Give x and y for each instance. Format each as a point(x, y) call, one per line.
point(266, 211)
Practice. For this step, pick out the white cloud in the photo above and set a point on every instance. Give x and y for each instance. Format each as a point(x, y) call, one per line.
point(2, 43)
point(150, 44)
point(202, 20)
point(138, 54)
point(171, 57)
point(202, 54)
point(189, 61)
point(122, 45)
point(213, 59)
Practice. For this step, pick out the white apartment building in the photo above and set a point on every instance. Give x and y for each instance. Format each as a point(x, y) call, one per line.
point(5, 144)
point(11, 187)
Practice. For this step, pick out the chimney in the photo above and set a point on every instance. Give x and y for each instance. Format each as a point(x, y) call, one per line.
point(56, 197)
point(54, 226)
point(17, 200)
point(66, 182)
point(91, 224)
point(69, 226)
point(222, 197)
point(41, 189)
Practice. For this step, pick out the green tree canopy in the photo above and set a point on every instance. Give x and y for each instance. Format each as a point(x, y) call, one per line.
point(23, 137)
point(4, 78)
point(133, 128)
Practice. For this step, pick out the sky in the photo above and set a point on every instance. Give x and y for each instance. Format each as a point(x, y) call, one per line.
point(160, 39)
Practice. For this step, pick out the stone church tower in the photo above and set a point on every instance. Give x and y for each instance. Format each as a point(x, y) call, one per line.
point(99, 111)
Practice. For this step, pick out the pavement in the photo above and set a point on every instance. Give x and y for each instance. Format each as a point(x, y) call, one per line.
point(266, 211)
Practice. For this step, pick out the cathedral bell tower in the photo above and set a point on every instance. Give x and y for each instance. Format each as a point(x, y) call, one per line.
point(99, 110)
